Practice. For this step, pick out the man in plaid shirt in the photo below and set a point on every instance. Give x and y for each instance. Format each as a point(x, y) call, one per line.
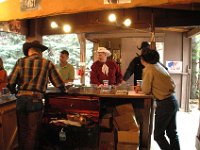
point(28, 81)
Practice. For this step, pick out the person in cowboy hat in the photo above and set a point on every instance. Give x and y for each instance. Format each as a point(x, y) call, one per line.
point(104, 69)
point(28, 81)
point(135, 67)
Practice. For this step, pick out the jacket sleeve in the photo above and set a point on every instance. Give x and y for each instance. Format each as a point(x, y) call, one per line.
point(118, 74)
point(129, 70)
point(93, 75)
point(14, 78)
point(147, 80)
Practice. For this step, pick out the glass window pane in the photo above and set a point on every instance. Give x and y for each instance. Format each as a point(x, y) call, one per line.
point(11, 49)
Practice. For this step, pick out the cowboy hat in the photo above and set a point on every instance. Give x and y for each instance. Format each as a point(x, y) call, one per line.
point(104, 50)
point(34, 44)
point(144, 44)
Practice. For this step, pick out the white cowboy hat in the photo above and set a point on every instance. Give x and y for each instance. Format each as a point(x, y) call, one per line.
point(104, 50)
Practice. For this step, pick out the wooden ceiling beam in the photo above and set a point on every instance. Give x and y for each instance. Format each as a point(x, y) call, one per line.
point(193, 32)
point(94, 22)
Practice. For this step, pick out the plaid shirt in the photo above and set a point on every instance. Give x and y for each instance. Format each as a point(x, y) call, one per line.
point(33, 73)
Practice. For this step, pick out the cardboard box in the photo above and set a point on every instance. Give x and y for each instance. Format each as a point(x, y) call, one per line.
point(107, 141)
point(125, 122)
point(129, 137)
point(122, 146)
point(125, 108)
point(106, 123)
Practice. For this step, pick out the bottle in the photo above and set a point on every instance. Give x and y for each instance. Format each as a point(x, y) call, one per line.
point(62, 135)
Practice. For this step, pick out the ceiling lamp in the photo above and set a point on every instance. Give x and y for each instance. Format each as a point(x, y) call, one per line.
point(67, 28)
point(112, 18)
point(54, 25)
point(127, 22)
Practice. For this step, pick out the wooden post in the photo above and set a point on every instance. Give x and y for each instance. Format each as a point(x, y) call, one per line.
point(34, 30)
point(82, 42)
point(153, 38)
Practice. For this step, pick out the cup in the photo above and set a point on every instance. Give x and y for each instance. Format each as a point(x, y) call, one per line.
point(105, 83)
point(139, 83)
point(5, 91)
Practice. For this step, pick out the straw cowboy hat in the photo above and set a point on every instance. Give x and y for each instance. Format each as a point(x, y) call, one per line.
point(34, 44)
point(144, 44)
point(104, 50)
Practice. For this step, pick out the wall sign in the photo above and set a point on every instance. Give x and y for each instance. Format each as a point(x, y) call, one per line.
point(29, 5)
point(174, 66)
point(116, 1)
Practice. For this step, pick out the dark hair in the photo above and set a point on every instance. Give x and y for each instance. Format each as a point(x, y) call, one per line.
point(150, 56)
point(65, 52)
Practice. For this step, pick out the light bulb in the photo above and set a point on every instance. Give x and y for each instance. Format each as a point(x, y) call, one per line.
point(127, 22)
point(112, 18)
point(67, 28)
point(54, 24)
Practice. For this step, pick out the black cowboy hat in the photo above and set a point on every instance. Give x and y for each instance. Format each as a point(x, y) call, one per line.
point(34, 44)
point(144, 44)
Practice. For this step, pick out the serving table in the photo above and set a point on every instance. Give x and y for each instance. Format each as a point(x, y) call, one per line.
point(92, 101)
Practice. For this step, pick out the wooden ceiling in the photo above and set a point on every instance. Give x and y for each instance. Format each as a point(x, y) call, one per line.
point(142, 21)
point(13, 9)
point(90, 16)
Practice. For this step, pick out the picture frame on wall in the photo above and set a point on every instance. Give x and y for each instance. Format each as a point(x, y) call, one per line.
point(174, 66)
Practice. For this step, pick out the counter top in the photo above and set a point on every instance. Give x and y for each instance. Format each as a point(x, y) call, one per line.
point(6, 100)
point(112, 93)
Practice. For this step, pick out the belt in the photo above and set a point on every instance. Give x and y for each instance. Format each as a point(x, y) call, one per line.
point(35, 94)
point(166, 99)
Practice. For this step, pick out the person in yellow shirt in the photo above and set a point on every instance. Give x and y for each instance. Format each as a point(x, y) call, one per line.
point(65, 69)
point(157, 81)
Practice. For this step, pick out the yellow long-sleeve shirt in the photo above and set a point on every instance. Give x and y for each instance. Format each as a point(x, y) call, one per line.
point(157, 81)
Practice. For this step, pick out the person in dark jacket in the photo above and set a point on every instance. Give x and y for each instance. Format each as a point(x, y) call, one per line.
point(28, 81)
point(135, 67)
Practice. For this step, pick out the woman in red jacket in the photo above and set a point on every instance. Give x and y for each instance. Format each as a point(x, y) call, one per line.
point(104, 69)
point(3, 76)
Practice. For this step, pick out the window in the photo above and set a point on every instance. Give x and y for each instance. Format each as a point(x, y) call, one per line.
point(69, 42)
point(11, 49)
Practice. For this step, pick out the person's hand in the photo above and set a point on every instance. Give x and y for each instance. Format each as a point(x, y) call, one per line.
point(123, 82)
point(137, 89)
point(100, 85)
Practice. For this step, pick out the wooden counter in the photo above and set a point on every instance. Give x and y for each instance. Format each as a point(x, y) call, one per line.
point(8, 123)
point(143, 106)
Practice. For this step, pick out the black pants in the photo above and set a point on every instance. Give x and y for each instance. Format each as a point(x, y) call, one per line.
point(165, 121)
point(29, 116)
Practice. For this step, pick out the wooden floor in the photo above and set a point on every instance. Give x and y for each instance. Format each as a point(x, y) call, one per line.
point(187, 123)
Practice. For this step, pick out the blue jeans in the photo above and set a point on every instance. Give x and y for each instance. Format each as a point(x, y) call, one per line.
point(29, 116)
point(165, 121)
